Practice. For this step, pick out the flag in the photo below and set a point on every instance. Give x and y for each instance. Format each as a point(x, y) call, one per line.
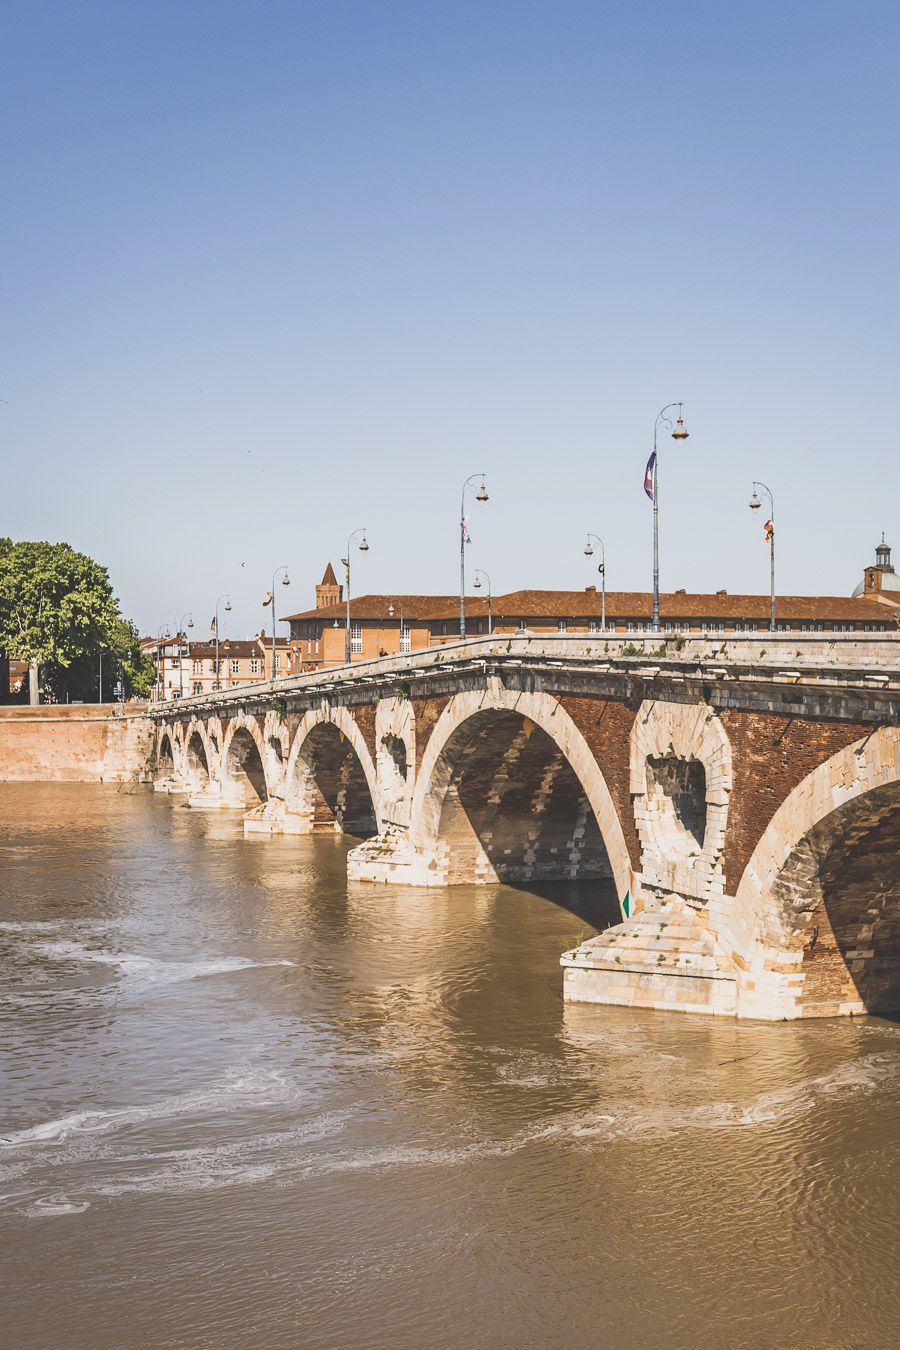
point(212, 627)
point(627, 905)
point(464, 526)
point(650, 475)
point(268, 599)
point(770, 531)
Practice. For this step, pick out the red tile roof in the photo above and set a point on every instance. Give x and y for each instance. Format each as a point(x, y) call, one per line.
point(621, 605)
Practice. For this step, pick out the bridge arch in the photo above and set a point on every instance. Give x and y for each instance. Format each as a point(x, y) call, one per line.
point(199, 761)
point(820, 895)
point(330, 780)
point(167, 751)
point(242, 763)
point(508, 788)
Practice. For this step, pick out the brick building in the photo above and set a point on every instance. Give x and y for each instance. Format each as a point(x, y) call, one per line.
point(388, 624)
point(185, 668)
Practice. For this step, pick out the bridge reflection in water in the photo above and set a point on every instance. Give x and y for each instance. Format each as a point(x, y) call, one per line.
point(745, 816)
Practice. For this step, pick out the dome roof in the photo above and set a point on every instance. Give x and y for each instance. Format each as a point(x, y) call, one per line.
point(890, 581)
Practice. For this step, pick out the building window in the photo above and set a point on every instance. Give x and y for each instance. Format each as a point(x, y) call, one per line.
point(406, 636)
point(355, 639)
point(592, 626)
point(235, 667)
point(254, 665)
point(561, 626)
point(198, 667)
point(277, 660)
point(198, 687)
point(212, 667)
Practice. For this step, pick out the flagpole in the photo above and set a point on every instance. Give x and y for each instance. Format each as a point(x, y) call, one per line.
point(480, 496)
point(678, 434)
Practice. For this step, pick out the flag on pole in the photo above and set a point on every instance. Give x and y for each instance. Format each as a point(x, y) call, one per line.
point(464, 525)
point(268, 599)
point(770, 531)
point(212, 627)
point(650, 475)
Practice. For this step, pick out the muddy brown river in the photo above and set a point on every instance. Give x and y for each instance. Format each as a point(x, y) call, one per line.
point(245, 1104)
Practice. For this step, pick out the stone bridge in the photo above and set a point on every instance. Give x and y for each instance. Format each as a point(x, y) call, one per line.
point(738, 805)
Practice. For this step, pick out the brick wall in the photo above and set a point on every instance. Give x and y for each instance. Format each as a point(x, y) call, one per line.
point(72, 743)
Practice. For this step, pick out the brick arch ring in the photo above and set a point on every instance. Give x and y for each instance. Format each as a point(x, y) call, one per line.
point(238, 721)
point(347, 725)
point(548, 714)
point(850, 774)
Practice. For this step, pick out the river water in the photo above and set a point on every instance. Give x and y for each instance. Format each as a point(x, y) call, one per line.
point(245, 1104)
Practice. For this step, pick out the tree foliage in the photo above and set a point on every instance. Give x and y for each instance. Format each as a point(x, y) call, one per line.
point(57, 608)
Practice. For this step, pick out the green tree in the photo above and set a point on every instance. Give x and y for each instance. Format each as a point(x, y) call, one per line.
point(58, 613)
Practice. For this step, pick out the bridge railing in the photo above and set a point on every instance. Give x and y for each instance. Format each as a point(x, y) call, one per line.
point(786, 658)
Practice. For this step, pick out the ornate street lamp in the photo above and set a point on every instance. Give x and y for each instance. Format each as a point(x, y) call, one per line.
point(160, 662)
point(479, 573)
point(651, 487)
point(405, 633)
point(285, 581)
point(480, 496)
point(217, 683)
point(589, 553)
point(183, 649)
point(755, 504)
point(363, 548)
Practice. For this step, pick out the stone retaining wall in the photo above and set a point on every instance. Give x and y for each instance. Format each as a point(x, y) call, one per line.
point(75, 743)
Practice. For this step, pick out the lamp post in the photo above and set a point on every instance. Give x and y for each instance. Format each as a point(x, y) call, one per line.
point(479, 573)
point(755, 504)
point(589, 553)
point(160, 661)
point(190, 624)
point(480, 496)
point(363, 548)
point(679, 433)
point(285, 581)
point(217, 683)
point(391, 612)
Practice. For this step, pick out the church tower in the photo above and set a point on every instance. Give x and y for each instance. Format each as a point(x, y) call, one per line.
point(880, 581)
point(328, 591)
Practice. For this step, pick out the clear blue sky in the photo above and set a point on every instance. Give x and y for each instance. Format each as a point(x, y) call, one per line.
point(271, 272)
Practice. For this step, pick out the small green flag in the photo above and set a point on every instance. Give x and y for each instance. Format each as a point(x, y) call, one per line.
point(626, 905)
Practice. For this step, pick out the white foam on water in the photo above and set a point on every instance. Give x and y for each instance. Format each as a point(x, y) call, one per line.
point(149, 970)
point(259, 1087)
point(53, 1207)
point(31, 926)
